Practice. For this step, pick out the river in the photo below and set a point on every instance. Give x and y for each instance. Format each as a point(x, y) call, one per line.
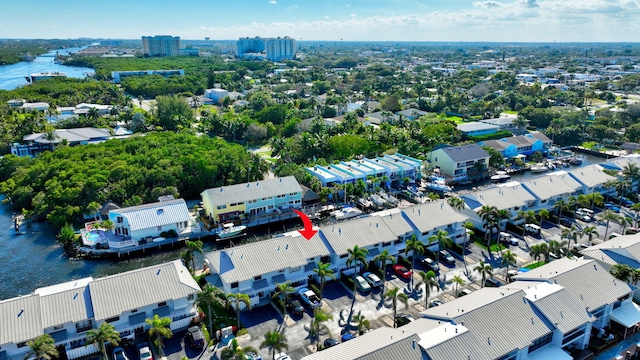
point(13, 76)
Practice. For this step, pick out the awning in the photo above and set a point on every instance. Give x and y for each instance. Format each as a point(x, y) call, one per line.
point(260, 284)
point(310, 267)
point(374, 252)
point(549, 352)
point(162, 311)
point(278, 279)
point(60, 335)
point(138, 318)
point(627, 314)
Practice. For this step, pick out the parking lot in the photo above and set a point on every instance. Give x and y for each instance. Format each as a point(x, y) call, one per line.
point(338, 299)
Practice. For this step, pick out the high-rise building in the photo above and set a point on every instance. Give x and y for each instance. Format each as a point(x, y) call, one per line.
point(275, 49)
point(161, 45)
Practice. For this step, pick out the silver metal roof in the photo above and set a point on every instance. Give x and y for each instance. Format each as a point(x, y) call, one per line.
point(502, 197)
point(397, 223)
point(548, 186)
point(253, 190)
point(66, 307)
point(116, 294)
point(591, 175)
point(363, 232)
point(431, 215)
point(155, 214)
point(20, 319)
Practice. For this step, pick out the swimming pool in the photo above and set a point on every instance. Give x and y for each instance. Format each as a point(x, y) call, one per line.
point(93, 237)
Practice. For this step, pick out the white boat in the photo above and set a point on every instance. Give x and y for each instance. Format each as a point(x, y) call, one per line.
point(230, 230)
point(576, 160)
point(388, 198)
point(500, 176)
point(348, 213)
point(539, 167)
point(377, 199)
point(365, 203)
point(438, 185)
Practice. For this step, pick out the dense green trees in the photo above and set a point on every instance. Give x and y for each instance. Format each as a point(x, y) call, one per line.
point(60, 185)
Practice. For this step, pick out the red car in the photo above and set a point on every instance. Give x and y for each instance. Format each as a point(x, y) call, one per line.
point(402, 271)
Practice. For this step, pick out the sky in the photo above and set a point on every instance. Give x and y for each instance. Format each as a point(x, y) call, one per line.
point(348, 20)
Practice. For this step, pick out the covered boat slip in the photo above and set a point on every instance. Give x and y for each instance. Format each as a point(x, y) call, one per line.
point(625, 318)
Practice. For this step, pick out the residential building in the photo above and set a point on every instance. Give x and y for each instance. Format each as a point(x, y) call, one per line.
point(510, 196)
point(275, 49)
point(592, 178)
point(39, 142)
point(411, 114)
point(476, 128)
point(623, 250)
point(504, 122)
point(458, 162)
point(68, 310)
point(160, 45)
point(150, 221)
point(217, 95)
point(46, 75)
point(379, 117)
point(429, 218)
point(548, 189)
point(249, 46)
point(246, 200)
point(520, 145)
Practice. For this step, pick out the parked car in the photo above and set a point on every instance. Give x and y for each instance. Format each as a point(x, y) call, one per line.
point(372, 279)
point(491, 282)
point(329, 342)
point(195, 337)
point(282, 356)
point(612, 207)
point(464, 292)
point(436, 302)
point(566, 222)
point(583, 216)
point(310, 298)
point(508, 238)
point(145, 351)
point(252, 356)
point(295, 307)
point(587, 211)
point(119, 354)
point(362, 284)
point(626, 201)
point(402, 271)
point(403, 319)
point(447, 258)
point(430, 264)
point(347, 337)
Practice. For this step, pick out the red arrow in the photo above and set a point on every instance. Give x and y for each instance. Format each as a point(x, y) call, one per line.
point(308, 231)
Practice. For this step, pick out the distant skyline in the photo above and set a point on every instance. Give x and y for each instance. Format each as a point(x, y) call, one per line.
point(349, 20)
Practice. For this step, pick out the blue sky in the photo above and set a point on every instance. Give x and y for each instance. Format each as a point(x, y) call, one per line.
point(350, 20)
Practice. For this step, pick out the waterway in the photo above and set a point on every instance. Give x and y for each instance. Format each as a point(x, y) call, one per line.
point(13, 76)
point(34, 259)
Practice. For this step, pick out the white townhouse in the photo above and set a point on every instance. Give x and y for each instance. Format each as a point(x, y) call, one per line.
point(429, 218)
point(548, 189)
point(509, 196)
point(68, 310)
point(592, 178)
point(143, 223)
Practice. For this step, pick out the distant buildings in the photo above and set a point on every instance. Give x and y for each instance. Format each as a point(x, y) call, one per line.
point(161, 45)
point(217, 95)
point(459, 161)
point(274, 49)
point(39, 142)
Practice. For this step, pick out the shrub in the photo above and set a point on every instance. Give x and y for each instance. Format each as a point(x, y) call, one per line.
point(315, 289)
point(348, 281)
point(172, 234)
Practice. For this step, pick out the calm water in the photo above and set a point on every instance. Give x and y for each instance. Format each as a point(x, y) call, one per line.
point(13, 76)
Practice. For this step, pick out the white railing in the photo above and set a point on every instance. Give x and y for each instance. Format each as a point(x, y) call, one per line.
point(121, 244)
point(180, 324)
point(81, 352)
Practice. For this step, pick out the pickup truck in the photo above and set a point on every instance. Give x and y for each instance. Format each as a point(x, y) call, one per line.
point(310, 298)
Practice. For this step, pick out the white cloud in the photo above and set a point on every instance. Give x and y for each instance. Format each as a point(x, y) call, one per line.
point(353, 15)
point(487, 4)
point(273, 2)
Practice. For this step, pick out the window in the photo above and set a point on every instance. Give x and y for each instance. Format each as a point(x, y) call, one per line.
point(293, 194)
point(58, 327)
point(281, 196)
point(540, 342)
point(113, 319)
point(164, 303)
point(270, 207)
point(234, 285)
point(119, 220)
point(344, 256)
point(220, 207)
point(159, 228)
point(398, 242)
point(22, 344)
point(257, 277)
point(252, 201)
point(294, 269)
point(191, 297)
point(386, 243)
point(83, 325)
point(134, 311)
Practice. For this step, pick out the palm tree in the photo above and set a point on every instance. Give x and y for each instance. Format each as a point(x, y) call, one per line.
point(323, 271)
point(275, 341)
point(536, 252)
point(590, 232)
point(235, 351)
point(561, 206)
point(284, 290)
point(528, 216)
point(235, 300)
point(456, 203)
point(42, 347)
point(106, 333)
point(159, 328)
point(622, 272)
point(194, 246)
point(608, 215)
point(468, 228)
point(595, 198)
point(502, 215)
point(636, 211)
point(484, 270)
point(457, 282)
point(508, 259)
point(416, 247)
point(544, 215)
point(609, 185)
point(631, 173)
point(487, 215)
point(210, 296)
point(442, 239)
point(94, 207)
point(361, 322)
point(394, 295)
point(430, 282)
point(383, 258)
point(357, 255)
point(318, 326)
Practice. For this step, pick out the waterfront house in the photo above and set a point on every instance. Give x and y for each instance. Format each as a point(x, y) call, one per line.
point(68, 310)
point(592, 178)
point(252, 199)
point(476, 128)
point(458, 162)
point(39, 142)
point(510, 196)
point(144, 223)
point(548, 189)
point(520, 145)
point(429, 218)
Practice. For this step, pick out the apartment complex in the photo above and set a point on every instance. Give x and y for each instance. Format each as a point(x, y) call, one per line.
point(161, 45)
point(274, 49)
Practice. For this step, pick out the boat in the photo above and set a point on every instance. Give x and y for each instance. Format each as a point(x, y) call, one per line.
point(576, 160)
point(365, 203)
point(377, 199)
point(348, 213)
point(438, 185)
point(500, 176)
point(388, 198)
point(539, 167)
point(230, 231)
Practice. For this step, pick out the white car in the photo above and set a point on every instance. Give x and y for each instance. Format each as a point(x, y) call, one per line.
point(372, 279)
point(310, 298)
point(583, 216)
point(145, 353)
point(362, 284)
point(282, 356)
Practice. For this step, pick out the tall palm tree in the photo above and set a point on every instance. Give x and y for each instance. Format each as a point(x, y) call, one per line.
point(636, 212)
point(484, 270)
point(596, 199)
point(284, 289)
point(383, 258)
point(361, 322)
point(487, 215)
point(468, 228)
point(609, 185)
point(106, 333)
point(457, 282)
point(608, 215)
point(456, 202)
point(235, 300)
point(631, 173)
point(590, 232)
point(275, 341)
point(323, 271)
point(442, 239)
point(193, 247)
point(318, 326)
point(622, 272)
point(159, 328)
point(502, 215)
point(430, 282)
point(416, 247)
point(394, 295)
point(210, 296)
point(529, 217)
point(561, 206)
point(357, 255)
point(544, 215)
point(235, 351)
point(508, 259)
point(42, 348)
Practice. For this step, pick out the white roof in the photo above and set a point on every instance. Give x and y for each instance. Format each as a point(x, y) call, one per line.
point(156, 214)
point(428, 216)
point(251, 191)
point(552, 185)
point(502, 197)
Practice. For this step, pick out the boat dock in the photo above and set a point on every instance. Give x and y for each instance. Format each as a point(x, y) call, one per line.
point(601, 153)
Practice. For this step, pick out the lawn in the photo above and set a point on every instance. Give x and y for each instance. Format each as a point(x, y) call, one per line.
point(535, 265)
point(456, 119)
